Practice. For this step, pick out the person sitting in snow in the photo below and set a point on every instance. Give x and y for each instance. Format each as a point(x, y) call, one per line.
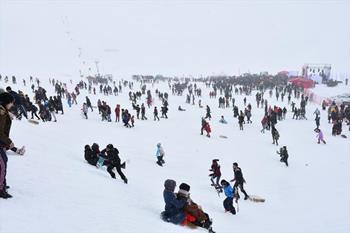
point(222, 120)
point(160, 154)
point(90, 156)
point(193, 212)
point(181, 109)
point(173, 207)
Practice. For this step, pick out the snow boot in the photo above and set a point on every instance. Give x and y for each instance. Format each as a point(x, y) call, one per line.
point(4, 194)
point(159, 163)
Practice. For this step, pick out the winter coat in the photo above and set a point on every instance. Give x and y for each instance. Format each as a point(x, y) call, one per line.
point(5, 127)
point(112, 156)
point(160, 151)
point(238, 175)
point(173, 207)
point(85, 108)
point(229, 191)
point(216, 169)
point(194, 210)
point(320, 135)
point(207, 128)
point(90, 156)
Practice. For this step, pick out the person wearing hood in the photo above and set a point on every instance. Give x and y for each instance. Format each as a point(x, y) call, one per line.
point(90, 156)
point(6, 103)
point(173, 207)
point(160, 154)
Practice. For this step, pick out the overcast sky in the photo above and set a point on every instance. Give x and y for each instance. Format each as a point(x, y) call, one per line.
point(172, 38)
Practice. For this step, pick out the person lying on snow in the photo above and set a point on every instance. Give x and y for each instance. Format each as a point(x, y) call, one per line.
point(222, 120)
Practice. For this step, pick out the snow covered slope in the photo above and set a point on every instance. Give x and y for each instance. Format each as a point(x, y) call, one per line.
point(55, 190)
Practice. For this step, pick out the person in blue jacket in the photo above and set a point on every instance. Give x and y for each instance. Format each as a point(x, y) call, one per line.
point(230, 194)
point(173, 207)
point(160, 154)
point(222, 120)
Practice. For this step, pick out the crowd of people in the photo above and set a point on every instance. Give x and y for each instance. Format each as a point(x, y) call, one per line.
point(179, 207)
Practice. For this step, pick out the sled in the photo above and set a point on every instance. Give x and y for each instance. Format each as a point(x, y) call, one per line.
point(223, 136)
point(100, 162)
point(255, 198)
point(33, 121)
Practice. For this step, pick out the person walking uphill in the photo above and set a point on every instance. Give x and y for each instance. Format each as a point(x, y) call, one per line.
point(239, 180)
point(6, 102)
point(160, 154)
point(114, 162)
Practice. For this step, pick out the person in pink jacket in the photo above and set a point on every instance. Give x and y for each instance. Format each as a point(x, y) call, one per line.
point(319, 136)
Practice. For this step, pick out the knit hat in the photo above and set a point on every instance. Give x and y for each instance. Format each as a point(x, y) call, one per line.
point(184, 188)
point(6, 98)
point(170, 185)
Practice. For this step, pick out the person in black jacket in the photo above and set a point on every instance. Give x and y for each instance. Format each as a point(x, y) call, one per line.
point(114, 162)
point(34, 110)
point(239, 180)
point(90, 156)
point(284, 155)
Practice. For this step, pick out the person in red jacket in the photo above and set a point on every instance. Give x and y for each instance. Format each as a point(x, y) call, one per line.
point(207, 129)
point(216, 173)
point(264, 122)
point(117, 113)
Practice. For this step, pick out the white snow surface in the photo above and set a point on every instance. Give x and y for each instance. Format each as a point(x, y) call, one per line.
point(55, 190)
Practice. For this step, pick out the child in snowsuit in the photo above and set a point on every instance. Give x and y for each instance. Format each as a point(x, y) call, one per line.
point(160, 154)
point(275, 135)
point(284, 155)
point(320, 137)
point(229, 193)
point(207, 129)
point(222, 120)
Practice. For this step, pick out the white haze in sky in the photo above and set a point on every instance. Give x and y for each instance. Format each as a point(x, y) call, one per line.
point(171, 38)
